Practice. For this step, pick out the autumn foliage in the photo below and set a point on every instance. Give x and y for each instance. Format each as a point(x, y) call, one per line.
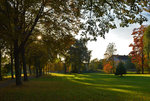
point(137, 53)
point(108, 68)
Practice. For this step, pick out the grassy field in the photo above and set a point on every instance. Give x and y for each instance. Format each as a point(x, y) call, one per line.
point(81, 87)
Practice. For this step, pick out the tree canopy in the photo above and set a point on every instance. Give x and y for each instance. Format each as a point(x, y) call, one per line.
point(58, 21)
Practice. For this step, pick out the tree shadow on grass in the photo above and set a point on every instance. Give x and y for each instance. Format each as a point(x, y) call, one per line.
point(80, 87)
point(137, 86)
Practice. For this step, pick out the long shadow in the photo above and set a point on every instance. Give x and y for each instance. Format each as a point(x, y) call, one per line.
point(85, 87)
point(126, 84)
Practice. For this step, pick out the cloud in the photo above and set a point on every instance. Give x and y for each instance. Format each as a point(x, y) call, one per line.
point(121, 37)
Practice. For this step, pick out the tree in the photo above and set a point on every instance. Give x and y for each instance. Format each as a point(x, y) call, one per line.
point(0, 65)
point(39, 55)
point(100, 65)
point(22, 16)
point(19, 18)
point(129, 65)
point(108, 67)
point(120, 70)
point(110, 51)
point(12, 62)
point(2, 48)
point(100, 15)
point(78, 54)
point(147, 43)
point(137, 53)
point(94, 64)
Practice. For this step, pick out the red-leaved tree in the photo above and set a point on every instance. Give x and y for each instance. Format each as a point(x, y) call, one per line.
point(108, 68)
point(137, 53)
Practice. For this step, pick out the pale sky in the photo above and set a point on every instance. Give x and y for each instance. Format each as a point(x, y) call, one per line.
point(121, 37)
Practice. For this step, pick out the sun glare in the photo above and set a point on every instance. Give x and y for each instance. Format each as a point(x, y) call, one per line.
point(39, 37)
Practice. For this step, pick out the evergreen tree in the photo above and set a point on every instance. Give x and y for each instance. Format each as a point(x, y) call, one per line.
point(120, 70)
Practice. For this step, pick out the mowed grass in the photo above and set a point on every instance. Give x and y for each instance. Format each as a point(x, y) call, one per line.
point(80, 87)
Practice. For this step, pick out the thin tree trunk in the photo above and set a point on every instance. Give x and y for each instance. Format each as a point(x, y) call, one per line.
point(40, 71)
point(46, 69)
point(37, 72)
point(43, 71)
point(0, 65)
point(142, 63)
point(37, 69)
point(17, 66)
point(12, 72)
point(113, 64)
point(30, 69)
point(79, 68)
point(24, 64)
point(65, 67)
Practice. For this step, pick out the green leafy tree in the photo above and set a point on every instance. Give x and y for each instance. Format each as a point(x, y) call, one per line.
point(94, 64)
point(6, 69)
point(38, 54)
point(120, 70)
point(100, 65)
point(100, 15)
point(129, 65)
point(78, 54)
point(2, 49)
point(147, 43)
point(19, 18)
point(0, 65)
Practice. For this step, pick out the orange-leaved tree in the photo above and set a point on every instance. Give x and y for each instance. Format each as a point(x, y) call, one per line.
point(137, 53)
point(108, 68)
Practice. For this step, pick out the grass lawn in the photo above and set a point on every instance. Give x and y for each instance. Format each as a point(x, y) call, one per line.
point(81, 87)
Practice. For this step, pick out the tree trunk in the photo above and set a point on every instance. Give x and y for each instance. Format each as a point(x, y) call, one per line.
point(43, 71)
point(30, 69)
point(24, 64)
point(40, 71)
point(65, 67)
point(17, 66)
point(46, 69)
point(37, 72)
point(113, 64)
point(11, 55)
point(0, 65)
point(79, 68)
point(142, 63)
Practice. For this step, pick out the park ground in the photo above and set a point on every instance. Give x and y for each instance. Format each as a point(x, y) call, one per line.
point(80, 87)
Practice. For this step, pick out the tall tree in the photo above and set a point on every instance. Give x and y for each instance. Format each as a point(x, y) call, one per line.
point(24, 15)
point(100, 15)
point(12, 62)
point(110, 50)
point(147, 43)
point(137, 53)
point(0, 64)
point(38, 54)
point(109, 54)
point(78, 54)
point(2, 48)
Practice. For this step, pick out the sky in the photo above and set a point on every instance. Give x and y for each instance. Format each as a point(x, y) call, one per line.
point(120, 36)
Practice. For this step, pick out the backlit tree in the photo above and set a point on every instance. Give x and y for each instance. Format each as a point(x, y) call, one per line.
point(137, 53)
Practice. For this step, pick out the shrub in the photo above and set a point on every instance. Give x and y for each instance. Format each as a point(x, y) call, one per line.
point(120, 70)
